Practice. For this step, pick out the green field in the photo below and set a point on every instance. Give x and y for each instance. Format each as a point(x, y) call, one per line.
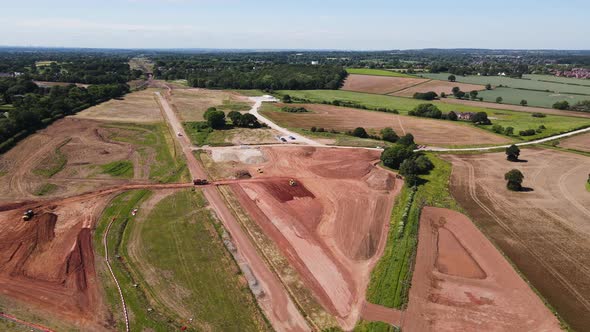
point(45, 189)
point(376, 72)
point(391, 278)
point(180, 266)
point(518, 120)
point(537, 90)
point(6, 107)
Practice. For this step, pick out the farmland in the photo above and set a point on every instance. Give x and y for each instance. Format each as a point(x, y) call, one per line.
point(543, 231)
point(426, 131)
point(538, 90)
point(518, 120)
point(376, 72)
point(191, 104)
point(379, 84)
point(579, 142)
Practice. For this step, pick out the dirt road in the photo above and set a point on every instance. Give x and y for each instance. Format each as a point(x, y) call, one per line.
point(276, 303)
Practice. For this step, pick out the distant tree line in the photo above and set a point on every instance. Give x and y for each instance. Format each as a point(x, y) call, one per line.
point(34, 107)
point(582, 106)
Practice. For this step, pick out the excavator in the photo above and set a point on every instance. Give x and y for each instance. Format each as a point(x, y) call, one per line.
point(292, 182)
point(28, 215)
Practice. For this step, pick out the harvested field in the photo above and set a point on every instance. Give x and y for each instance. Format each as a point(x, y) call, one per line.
point(191, 104)
point(438, 87)
point(579, 142)
point(48, 262)
point(379, 84)
point(140, 106)
point(332, 237)
point(426, 131)
point(75, 148)
point(543, 231)
point(479, 291)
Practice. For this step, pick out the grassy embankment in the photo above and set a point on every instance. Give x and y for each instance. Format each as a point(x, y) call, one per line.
point(167, 163)
point(45, 189)
point(119, 169)
point(391, 278)
point(180, 265)
point(376, 72)
point(53, 163)
point(554, 124)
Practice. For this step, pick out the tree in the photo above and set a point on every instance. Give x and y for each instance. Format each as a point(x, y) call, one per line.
point(313, 129)
point(423, 164)
point(523, 102)
point(561, 105)
point(286, 99)
point(512, 153)
point(488, 86)
point(389, 135)
point(499, 100)
point(509, 131)
point(215, 119)
point(460, 94)
point(426, 111)
point(452, 78)
point(393, 156)
point(473, 94)
point(455, 90)
point(452, 116)
point(514, 178)
point(360, 132)
point(481, 118)
point(443, 95)
point(430, 95)
point(235, 117)
point(497, 129)
point(407, 140)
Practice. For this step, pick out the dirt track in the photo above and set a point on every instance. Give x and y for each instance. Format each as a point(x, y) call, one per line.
point(495, 299)
point(332, 225)
point(544, 231)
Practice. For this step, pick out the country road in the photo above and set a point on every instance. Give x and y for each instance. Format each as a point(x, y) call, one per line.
point(275, 301)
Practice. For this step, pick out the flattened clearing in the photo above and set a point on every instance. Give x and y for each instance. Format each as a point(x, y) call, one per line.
point(379, 84)
point(191, 104)
point(426, 131)
point(134, 107)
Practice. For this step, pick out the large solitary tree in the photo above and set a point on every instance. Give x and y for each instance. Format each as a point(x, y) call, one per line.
point(514, 178)
point(512, 153)
point(452, 78)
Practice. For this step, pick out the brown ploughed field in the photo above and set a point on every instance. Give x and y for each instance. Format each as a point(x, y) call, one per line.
point(578, 142)
point(48, 262)
point(379, 84)
point(83, 143)
point(461, 282)
point(438, 87)
point(426, 131)
point(331, 225)
point(545, 231)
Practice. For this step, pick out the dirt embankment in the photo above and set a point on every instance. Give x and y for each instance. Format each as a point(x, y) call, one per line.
point(48, 262)
point(461, 282)
point(331, 225)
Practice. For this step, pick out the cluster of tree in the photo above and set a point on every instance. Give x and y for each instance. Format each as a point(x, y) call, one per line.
point(403, 157)
point(264, 76)
point(343, 103)
point(243, 120)
point(433, 112)
point(532, 132)
point(430, 95)
point(215, 119)
point(498, 129)
point(515, 179)
point(582, 106)
point(294, 109)
point(538, 115)
point(457, 93)
point(512, 153)
point(35, 107)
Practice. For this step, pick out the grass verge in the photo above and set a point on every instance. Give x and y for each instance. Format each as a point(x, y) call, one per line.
point(391, 278)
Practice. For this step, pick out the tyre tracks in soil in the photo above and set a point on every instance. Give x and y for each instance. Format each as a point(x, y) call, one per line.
point(472, 187)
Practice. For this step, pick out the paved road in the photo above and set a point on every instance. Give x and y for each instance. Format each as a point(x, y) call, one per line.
point(254, 111)
point(276, 303)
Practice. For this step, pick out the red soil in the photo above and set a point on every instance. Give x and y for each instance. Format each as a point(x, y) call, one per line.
point(475, 290)
point(332, 225)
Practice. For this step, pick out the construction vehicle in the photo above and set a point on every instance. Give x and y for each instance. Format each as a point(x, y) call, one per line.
point(200, 182)
point(292, 182)
point(260, 170)
point(28, 215)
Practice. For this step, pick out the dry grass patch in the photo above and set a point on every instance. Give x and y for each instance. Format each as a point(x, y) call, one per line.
point(191, 104)
point(140, 106)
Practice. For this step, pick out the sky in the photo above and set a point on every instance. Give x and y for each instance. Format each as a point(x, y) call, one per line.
point(302, 24)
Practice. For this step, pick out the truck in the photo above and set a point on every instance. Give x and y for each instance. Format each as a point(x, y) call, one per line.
point(28, 215)
point(200, 182)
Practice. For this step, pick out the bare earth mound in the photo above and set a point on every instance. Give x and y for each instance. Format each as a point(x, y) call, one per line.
point(331, 225)
point(546, 231)
point(426, 131)
point(579, 142)
point(48, 262)
point(379, 84)
point(134, 107)
point(483, 292)
point(438, 87)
